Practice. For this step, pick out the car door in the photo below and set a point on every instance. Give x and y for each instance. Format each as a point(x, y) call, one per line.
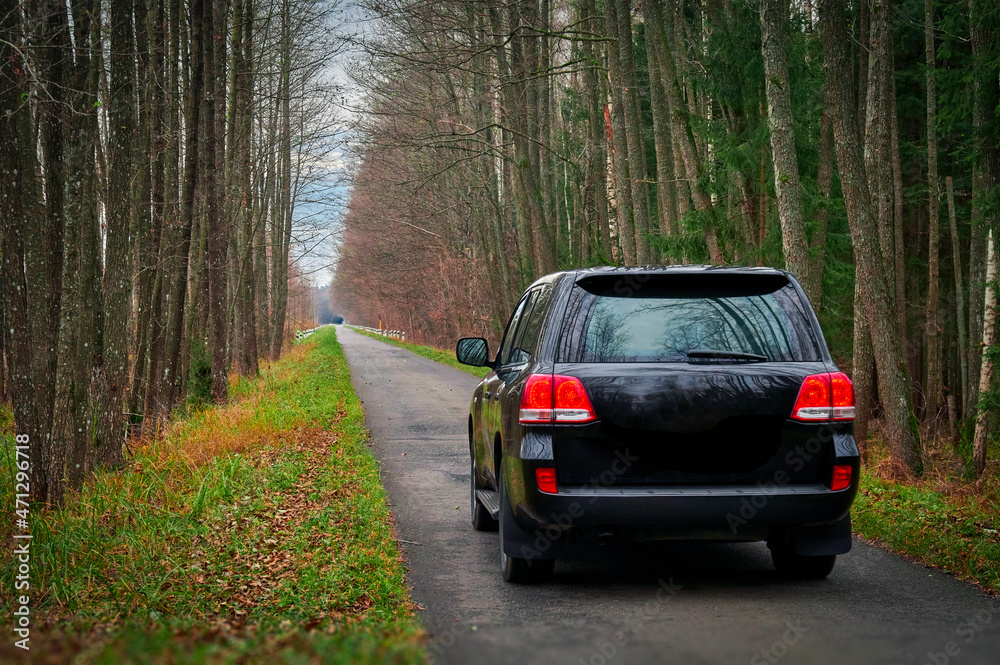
point(494, 381)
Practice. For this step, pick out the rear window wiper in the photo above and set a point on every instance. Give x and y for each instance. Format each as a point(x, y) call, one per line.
point(713, 354)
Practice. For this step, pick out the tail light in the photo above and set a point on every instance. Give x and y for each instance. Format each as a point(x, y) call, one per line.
point(841, 477)
point(553, 398)
point(545, 478)
point(827, 396)
point(842, 392)
point(536, 400)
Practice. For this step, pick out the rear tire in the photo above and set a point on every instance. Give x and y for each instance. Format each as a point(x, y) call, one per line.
point(516, 570)
point(481, 518)
point(800, 567)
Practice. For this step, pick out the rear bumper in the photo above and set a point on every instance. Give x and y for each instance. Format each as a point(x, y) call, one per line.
point(748, 511)
point(696, 513)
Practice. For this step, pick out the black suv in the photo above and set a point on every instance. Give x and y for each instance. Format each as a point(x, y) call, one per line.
point(687, 402)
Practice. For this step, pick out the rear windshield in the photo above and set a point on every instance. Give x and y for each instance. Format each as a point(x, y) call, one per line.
point(664, 318)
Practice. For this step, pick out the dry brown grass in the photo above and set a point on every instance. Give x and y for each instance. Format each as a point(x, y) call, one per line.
point(944, 472)
point(233, 428)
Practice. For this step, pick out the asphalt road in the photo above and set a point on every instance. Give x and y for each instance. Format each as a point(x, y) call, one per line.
point(663, 603)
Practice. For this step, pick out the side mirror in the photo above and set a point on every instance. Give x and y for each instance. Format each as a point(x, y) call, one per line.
point(473, 351)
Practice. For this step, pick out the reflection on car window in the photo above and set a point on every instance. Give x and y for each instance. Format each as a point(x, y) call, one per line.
point(508, 338)
point(519, 356)
point(512, 353)
point(665, 329)
point(527, 340)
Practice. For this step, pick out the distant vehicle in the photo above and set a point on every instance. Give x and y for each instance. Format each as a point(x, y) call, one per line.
point(687, 402)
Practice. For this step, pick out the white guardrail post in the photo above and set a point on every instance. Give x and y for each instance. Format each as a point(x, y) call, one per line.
point(300, 335)
point(384, 332)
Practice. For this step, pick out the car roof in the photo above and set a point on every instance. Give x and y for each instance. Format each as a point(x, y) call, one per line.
point(579, 274)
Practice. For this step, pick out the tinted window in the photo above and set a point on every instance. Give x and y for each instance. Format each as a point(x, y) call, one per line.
point(508, 338)
point(512, 355)
point(658, 323)
point(527, 339)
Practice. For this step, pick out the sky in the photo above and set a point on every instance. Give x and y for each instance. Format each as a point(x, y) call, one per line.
point(321, 206)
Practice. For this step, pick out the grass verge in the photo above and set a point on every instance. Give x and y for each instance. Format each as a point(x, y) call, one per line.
point(941, 520)
point(438, 355)
point(253, 532)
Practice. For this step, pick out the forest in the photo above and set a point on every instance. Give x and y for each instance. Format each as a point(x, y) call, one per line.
point(154, 154)
point(855, 144)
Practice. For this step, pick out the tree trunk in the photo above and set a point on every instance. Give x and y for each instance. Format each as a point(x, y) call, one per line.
point(633, 132)
point(149, 338)
point(877, 147)
point(977, 285)
point(281, 233)
point(864, 35)
point(773, 23)
point(984, 432)
point(179, 277)
point(956, 254)
point(510, 98)
point(143, 252)
point(21, 199)
point(899, 256)
point(624, 205)
point(114, 374)
point(81, 198)
point(665, 191)
point(894, 381)
point(596, 185)
point(71, 422)
point(261, 222)
point(216, 225)
point(243, 82)
point(985, 177)
point(824, 180)
point(543, 109)
point(57, 382)
point(932, 387)
point(43, 243)
point(985, 221)
point(159, 366)
point(863, 366)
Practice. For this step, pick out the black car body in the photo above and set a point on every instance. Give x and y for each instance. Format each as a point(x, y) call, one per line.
point(686, 402)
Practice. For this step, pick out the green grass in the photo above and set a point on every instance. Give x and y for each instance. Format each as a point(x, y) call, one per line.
point(438, 355)
point(955, 534)
point(253, 532)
